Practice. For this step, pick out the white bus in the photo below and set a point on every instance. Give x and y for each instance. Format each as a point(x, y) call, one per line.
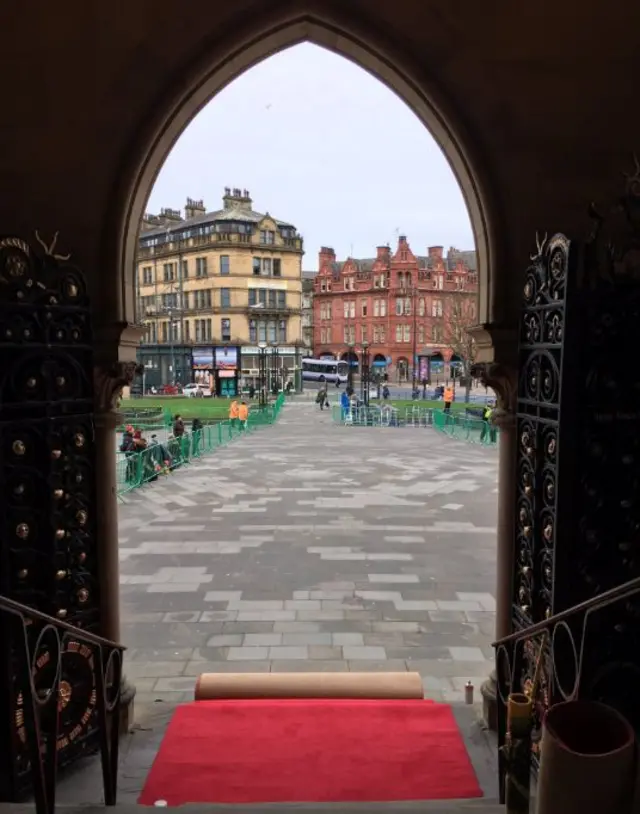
point(324, 370)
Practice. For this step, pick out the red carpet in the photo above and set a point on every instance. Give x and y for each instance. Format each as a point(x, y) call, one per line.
point(278, 751)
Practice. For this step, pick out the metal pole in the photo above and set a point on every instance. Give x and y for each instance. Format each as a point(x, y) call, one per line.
point(180, 294)
point(274, 368)
point(262, 370)
point(365, 373)
point(173, 349)
point(415, 342)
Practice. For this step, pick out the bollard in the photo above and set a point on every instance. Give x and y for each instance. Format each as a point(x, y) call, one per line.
point(468, 693)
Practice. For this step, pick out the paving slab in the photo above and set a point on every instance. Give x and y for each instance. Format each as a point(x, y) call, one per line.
point(311, 543)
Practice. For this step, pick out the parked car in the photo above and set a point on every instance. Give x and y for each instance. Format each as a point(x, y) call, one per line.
point(198, 391)
point(193, 391)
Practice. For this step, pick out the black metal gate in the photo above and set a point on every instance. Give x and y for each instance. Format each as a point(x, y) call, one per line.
point(578, 465)
point(48, 558)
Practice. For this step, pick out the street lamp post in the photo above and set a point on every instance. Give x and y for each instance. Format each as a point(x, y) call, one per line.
point(262, 371)
point(414, 378)
point(350, 352)
point(364, 375)
point(274, 368)
point(173, 347)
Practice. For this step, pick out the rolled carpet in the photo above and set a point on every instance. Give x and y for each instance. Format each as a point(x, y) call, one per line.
point(212, 686)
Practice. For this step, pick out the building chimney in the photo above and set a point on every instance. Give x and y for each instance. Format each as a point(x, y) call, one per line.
point(326, 256)
point(169, 216)
point(149, 221)
point(402, 240)
point(237, 199)
point(435, 252)
point(194, 208)
point(383, 253)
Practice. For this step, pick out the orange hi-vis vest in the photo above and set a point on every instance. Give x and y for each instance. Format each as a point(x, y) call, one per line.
point(233, 410)
point(243, 412)
point(448, 394)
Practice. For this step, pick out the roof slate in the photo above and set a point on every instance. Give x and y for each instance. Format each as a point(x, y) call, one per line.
point(236, 214)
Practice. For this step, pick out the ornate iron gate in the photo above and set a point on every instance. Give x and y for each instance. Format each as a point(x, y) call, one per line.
point(578, 465)
point(48, 558)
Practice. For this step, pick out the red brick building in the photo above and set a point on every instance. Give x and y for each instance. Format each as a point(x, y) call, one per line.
point(402, 306)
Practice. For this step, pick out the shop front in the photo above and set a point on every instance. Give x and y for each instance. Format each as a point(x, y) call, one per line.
point(424, 369)
point(283, 366)
point(202, 369)
point(226, 371)
point(163, 365)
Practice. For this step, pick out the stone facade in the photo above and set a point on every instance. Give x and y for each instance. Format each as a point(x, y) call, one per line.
point(229, 277)
point(400, 304)
point(308, 284)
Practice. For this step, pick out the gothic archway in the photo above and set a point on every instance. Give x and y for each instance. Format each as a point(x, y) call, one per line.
point(199, 82)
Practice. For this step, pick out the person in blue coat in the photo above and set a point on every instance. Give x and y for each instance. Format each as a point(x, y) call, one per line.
point(344, 403)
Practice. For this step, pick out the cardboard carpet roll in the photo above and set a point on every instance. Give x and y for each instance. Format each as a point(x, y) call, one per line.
point(211, 686)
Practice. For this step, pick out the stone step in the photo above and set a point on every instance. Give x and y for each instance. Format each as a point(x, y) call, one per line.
point(478, 806)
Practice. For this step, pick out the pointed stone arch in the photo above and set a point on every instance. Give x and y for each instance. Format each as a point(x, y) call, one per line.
point(342, 32)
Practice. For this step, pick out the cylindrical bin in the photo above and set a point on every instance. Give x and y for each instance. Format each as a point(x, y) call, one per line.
point(587, 760)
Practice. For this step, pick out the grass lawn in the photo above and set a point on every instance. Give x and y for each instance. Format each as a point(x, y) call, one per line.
point(189, 408)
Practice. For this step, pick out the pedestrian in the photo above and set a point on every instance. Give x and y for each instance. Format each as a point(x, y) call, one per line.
point(486, 422)
point(176, 449)
point(243, 415)
point(178, 426)
point(322, 398)
point(197, 428)
point(345, 404)
point(128, 448)
point(160, 458)
point(447, 397)
point(233, 412)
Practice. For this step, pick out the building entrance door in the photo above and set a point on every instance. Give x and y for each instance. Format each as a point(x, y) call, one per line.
point(227, 388)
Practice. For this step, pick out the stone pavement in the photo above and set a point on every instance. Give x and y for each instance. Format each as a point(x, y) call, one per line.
point(311, 546)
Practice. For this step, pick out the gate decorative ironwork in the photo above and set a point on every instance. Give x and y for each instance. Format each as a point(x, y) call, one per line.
point(48, 557)
point(578, 466)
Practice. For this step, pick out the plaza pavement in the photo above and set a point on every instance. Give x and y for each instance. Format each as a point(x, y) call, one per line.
point(311, 546)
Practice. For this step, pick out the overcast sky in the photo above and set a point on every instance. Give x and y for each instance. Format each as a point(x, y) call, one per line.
point(322, 144)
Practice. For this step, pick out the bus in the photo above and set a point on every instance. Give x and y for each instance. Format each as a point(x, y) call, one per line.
point(324, 370)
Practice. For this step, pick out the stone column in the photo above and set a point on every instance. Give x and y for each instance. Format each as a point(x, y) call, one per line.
point(503, 380)
point(108, 384)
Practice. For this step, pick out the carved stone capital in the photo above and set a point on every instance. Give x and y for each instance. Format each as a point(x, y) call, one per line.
point(495, 342)
point(116, 342)
point(503, 380)
point(109, 381)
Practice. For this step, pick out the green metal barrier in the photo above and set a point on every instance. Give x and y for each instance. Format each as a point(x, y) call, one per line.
point(465, 428)
point(456, 425)
point(134, 469)
point(147, 420)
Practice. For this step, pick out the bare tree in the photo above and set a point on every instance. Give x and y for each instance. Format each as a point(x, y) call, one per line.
point(461, 317)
